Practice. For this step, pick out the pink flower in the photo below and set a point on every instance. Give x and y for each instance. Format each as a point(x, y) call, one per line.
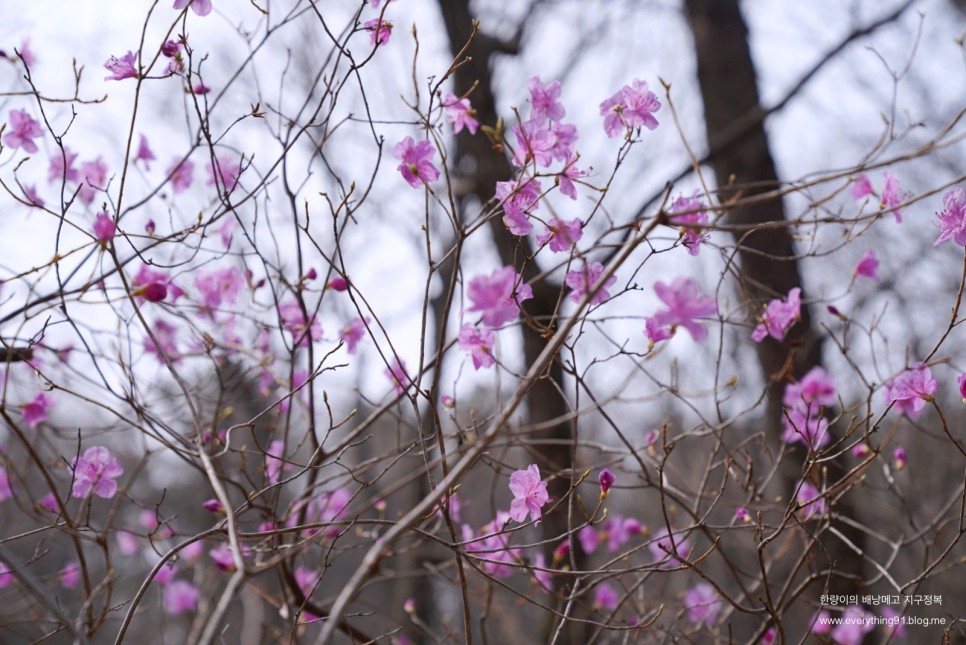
point(180, 174)
point(911, 390)
point(961, 381)
point(562, 235)
point(396, 372)
point(144, 153)
point(180, 596)
point(952, 219)
point(95, 472)
point(48, 503)
point(633, 106)
point(32, 196)
point(166, 573)
point(899, 458)
point(224, 172)
point(222, 556)
point(26, 54)
point(619, 530)
point(894, 627)
point(104, 228)
point(545, 100)
point(606, 479)
point(588, 538)
point(743, 514)
point(94, 174)
point(868, 266)
point(213, 505)
point(200, 89)
point(605, 597)
point(479, 342)
point(127, 543)
point(855, 623)
point(460, 113)
point(684, 303)
point(273, 460)
point(535, 142)
point(6, 575)
point(820, 623)
point(566, 178)
point(154, 286)
point(498, 296)
point(338, 283)
point(294, 320)
point(416, 167)
point(35, 412)
point(352, 333)
point(70, 575)
point(518, 200)
point(217, 287)
point(121, 68)
point(892, 195)
point(692, 213)
point(165, 342)
point(200, 7)
point(769, 637)
point(861, 187)
point(817, 387)
point(379, 31)
point(23, 128)
point(582, 281)
point(806, 427)
point(778, 317)
point(5, 492)
point(660, 548)
point(61, 167)
point(493, 545)
point(702, 603)
point(171, 48)
point(656, 332)
point(529, 494)
point(809, 498)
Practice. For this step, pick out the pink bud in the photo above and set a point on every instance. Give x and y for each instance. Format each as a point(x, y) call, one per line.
point(562, 551)
point(213, 506)
point(743, 514)
point(149, 227)
point(861, 450)
point(48, 503)
point(606, 479)
point(899, 458)
point(410, 606)
point(311, 275)
point(338, 283)
point(447, 401)
point(171, 48)
point(153, 291)
point(962, 386)
point(104, 228)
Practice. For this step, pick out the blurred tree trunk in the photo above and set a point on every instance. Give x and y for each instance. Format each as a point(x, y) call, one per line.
point(769, 268)
point(480, 167)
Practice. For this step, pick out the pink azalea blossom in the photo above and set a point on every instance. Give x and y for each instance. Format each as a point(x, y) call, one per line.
point(5, 491)
point(605, 597)
point(180, 596)
point(861, 187)
point(294, 320)
point(417, 167)
point(690, 213)
point(894, 627)
point(567, 177)
point(338, 283)
point(589, 538)
point(165, 342)
point(200, 89)
point(32, 196)
point(535, 142)
point(817, 387)
point(396, 372)
point(61, 167)
point(121, 68)
point(273, 460)
point(820, 623)
point(545, 100)
point(893, 195)
point(154, 286)
point(222, 556)
point(352, 333)
point(529, 494)
point(769, 637)
point(868, 266)
point(23, 128)
point(460, 113)
point(660, 548)
point(213, 505)
point(619, 530)
point(26, 54)
point(200, 7)
point(802, 425)
point(493, 545)
point(479, 343)
point(498, 296)
point(684, 303)
point(961, 382)
point(743, 515)
point(911, 390)
point(217, 287)
point(144, 153)
point(48, 503)
point(606, 479)
point(127, 543)
point(633, 106)
point(583, 279)
point(779, 316)
point(379, 31)
point(856, 622)
point(899, 458)
point(35, 412)
point(95, 472)
point(6, 575)
point(166, 573)
point(171, 48)
point(518, 200)
point(562, 235)
point(224, 172)
point(94, 179)
point(809, 498)
point(70, 575)
point(104, 229)
point(656, 332)
point(180, 174)
point(702, 603)
point(952, 219)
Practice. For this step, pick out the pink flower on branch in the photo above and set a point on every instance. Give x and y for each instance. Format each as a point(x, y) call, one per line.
point(379, 31)
point(545, 100)
point(180, 596)
point(519, 199)
point(95, 472)
point(529, 494)
point(223, 172)
point(479, 342)
point(911, 390)
point(868, 266)
point(417, 167)
point(498, 296)
point(892, 195)
point(295, 321)
point(200, 7)
point(684, 304)
point(23, 128)
point(779, 316)
point(689, 213)
point(632, 107)
point(180, 174)
point(104, 228)
point(121, 68)
point(396, 372)
point(144, 153)
point(952, 219)
point(702, 603)
point(562, 235)
point(460, 113)
point(582, 280)
point(35, 412)
point(811, 501)
point(535, 142)
point(93, 178)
